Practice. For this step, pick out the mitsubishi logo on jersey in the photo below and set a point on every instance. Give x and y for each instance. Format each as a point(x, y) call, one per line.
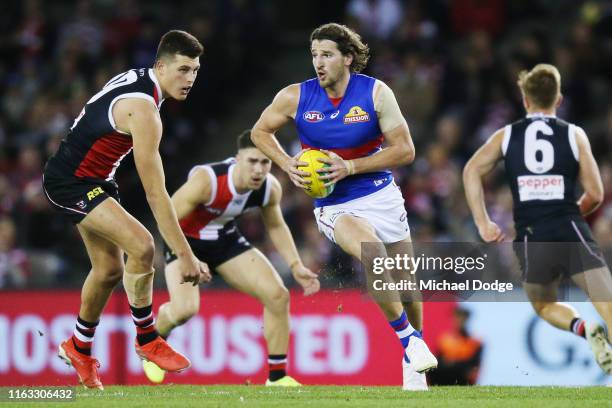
point(356, 115)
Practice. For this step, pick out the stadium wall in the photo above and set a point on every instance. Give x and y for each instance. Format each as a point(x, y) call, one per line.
point(338, 337)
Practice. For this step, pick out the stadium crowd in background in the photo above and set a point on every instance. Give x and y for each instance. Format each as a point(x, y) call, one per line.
point(453, 65)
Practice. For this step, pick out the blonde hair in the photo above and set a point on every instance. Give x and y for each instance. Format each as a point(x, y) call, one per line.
point(541, 85)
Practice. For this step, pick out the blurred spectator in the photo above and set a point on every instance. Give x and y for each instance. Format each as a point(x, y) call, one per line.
point(375, 18)
point(82, 34)
point(416, 89)
point(31, 33)
point(14, 265)
point(459, 354)
point(28, 168)
point(8, 195)
point(472, 15)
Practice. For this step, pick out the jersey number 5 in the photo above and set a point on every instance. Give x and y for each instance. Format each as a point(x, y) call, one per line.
point(533, 145)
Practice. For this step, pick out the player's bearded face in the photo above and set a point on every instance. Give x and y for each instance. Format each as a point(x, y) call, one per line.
point(177, 75)
point(254, 166)
point(328, 62)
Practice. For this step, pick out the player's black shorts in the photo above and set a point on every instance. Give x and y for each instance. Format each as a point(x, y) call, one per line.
point(214, 253)
point(556, 247)
point(76, 197)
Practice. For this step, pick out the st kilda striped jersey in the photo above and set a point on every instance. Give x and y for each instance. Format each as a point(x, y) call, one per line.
point(94, 146)
point(217, 217)
point(541, 160)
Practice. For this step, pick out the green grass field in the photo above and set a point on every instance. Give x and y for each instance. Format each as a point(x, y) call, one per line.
point(331, 396)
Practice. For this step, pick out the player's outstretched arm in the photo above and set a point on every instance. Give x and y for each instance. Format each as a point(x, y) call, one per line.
point(278, 113)
point(142, 120)
point(283, 240)
point(195, 191)
point(481, 164)
point(589, 175)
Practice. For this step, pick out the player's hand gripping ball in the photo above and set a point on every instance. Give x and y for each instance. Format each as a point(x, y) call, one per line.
point(316, 188)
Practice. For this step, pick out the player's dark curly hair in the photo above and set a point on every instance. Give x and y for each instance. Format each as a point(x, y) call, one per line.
point(349, 42)
point(179, 42)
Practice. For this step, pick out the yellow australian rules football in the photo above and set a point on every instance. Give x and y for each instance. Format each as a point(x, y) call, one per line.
point(316, 188)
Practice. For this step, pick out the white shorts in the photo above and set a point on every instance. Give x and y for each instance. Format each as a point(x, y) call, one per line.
point(384, 210)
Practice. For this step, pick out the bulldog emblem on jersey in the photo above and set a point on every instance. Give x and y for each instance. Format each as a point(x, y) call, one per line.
point(356, 115)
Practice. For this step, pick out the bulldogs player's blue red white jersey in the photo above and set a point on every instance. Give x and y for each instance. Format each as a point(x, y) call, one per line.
point(349, 129)
point(217, 217)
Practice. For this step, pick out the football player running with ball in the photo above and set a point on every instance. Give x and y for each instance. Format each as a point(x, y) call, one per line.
point(207, 205)
point(348, 116)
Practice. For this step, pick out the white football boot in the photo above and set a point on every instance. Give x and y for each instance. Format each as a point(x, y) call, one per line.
point(596, 336)
point(413, 381)
point(421, 359)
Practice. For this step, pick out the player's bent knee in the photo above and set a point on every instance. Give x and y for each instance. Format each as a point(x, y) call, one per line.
point(144, 251)
point(279, 297)
point(112, 275)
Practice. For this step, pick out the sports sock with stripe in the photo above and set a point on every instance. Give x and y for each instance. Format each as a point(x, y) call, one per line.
point(145, 324)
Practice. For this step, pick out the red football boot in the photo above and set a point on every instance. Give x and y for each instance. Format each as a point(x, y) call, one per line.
point(160, 353)
point(85, 366)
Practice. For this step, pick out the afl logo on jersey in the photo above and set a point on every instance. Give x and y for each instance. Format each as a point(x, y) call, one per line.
point(313, 116)
point(356, 115)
